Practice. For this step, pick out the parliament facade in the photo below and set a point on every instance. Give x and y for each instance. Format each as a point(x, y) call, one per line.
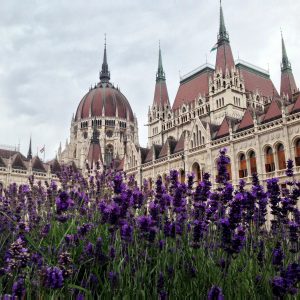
point(232, 104)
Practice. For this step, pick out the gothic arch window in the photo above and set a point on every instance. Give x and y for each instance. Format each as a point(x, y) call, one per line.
point(252, 160)
point(297, 152)
point(242, 166)
point(281, 157)
point(109, 154)
point(182, 176)
point(197, 172)
point(269, 160)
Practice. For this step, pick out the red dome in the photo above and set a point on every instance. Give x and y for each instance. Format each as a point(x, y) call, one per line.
point(104, 100)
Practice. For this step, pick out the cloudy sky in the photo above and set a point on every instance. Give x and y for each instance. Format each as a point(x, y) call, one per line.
point(51, 52)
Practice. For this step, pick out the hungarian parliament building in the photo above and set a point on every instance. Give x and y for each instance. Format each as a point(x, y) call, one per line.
point(232, 105)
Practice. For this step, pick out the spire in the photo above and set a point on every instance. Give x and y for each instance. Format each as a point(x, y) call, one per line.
point(223, 35)
point(288, 85)
point(104, 74)
point(224, 58)
point(29, 155)
point(161, 97)
point(285, 64)
point(160, 75)
point(95, 137)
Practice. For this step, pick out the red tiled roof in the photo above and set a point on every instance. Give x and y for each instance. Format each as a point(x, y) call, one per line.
point(180, 144)
point(223, 129)
point(254, 81)
point(247, 121)
point(144, 152)
point(190, 89)
point(149, 156)
point(9, 153)
point(2, 163)
point(161, 96)
point(55, 166)
point(104, 98)
point(296, 106)
point(37, 165)
point(273, 112)
point(288, 84)
point(224, 58)
point(18, 163)
point(164, 149)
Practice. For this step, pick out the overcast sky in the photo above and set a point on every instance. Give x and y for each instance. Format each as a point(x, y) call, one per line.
point(51, 52)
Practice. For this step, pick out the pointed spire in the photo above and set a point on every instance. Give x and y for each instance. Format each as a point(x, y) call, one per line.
point(95, 137)
point(288, 85)
point(224, 57)
point(29, 155)
point(160, 75)
point(223, 35)
point(285, 64)
point(161, 97)
point(104, 74)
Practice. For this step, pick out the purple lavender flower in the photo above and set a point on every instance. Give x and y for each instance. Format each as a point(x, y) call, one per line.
point(113, 279)
point(215, 293)
point(277, 255)
point(63, 202)
point(45, 230)
point(18, 289)
point(53, 278)
point(126, 232)
point(289, 168)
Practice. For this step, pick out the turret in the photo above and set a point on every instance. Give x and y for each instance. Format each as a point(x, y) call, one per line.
point(288, 86)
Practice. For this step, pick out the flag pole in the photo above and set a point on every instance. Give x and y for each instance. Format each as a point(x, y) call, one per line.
point(44, 152)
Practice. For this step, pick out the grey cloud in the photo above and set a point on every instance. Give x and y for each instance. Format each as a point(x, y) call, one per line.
point(51, 52)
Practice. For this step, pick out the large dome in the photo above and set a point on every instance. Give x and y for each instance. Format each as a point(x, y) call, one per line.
point(104, 101)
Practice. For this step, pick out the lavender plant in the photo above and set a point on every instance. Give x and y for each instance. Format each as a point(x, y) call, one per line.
point(104, 237)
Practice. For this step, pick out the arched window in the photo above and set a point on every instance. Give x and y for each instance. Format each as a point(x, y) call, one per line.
point(197, 172)
point(269, 159)
point(109, 154)
point(281, 157)
point(243, 166)
point(182, 176)
point(252, 158)
point(150, 183)
point(228, 167)
point(297, 152)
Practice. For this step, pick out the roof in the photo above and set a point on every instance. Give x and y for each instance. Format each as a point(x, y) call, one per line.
point(9, 153)
point(161, 96)
point(169, 144)
point(191, 87)
point(296, 106)
point(247, 121)
point(223, 129)
point(273, 112)
point(255, 80)
point(55, 166)
point(180, 144)
point(287, 84)
point(104, 100)
point(144, 153)
point(224, 57)
point(2, 162)
point(17, 162)
point(37, 165)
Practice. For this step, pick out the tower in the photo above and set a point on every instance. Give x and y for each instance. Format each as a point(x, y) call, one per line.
point(160, 109)
point(226, 86)
point(287, 85)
